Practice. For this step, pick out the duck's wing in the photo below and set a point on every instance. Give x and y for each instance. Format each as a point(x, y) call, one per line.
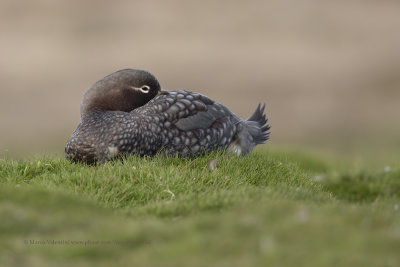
point(186, 110)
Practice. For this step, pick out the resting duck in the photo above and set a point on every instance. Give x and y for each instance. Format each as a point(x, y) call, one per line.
point(126, 112)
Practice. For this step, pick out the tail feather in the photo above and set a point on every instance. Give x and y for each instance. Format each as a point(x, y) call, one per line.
point(261, 133)
point(251, 132)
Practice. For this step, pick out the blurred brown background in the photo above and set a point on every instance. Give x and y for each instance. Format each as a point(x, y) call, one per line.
point(328, 70)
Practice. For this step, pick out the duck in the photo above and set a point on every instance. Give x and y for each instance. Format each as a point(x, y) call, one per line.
point(127, 112)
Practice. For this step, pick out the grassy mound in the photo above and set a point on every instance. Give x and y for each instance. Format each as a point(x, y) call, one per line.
point(271, 207)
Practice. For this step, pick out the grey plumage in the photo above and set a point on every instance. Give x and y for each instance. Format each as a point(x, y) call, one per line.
point(179, 123)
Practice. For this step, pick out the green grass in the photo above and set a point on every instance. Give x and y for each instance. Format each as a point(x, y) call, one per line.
point(273, 207)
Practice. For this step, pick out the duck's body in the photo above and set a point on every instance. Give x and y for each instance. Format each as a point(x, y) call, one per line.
point(173, 122)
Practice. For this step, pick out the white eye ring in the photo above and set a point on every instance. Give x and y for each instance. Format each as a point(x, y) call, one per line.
point(145, 89)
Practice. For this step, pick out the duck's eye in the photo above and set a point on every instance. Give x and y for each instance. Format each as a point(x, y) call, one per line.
point(145, 89)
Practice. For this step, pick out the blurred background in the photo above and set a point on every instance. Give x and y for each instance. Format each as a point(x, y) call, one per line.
point(329, 71)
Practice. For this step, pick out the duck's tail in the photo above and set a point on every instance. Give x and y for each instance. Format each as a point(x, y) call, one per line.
point(251, 132)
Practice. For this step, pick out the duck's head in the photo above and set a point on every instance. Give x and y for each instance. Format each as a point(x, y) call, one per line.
point(122, 90)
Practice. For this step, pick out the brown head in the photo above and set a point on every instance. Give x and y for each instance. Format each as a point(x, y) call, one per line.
point(123, 90)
